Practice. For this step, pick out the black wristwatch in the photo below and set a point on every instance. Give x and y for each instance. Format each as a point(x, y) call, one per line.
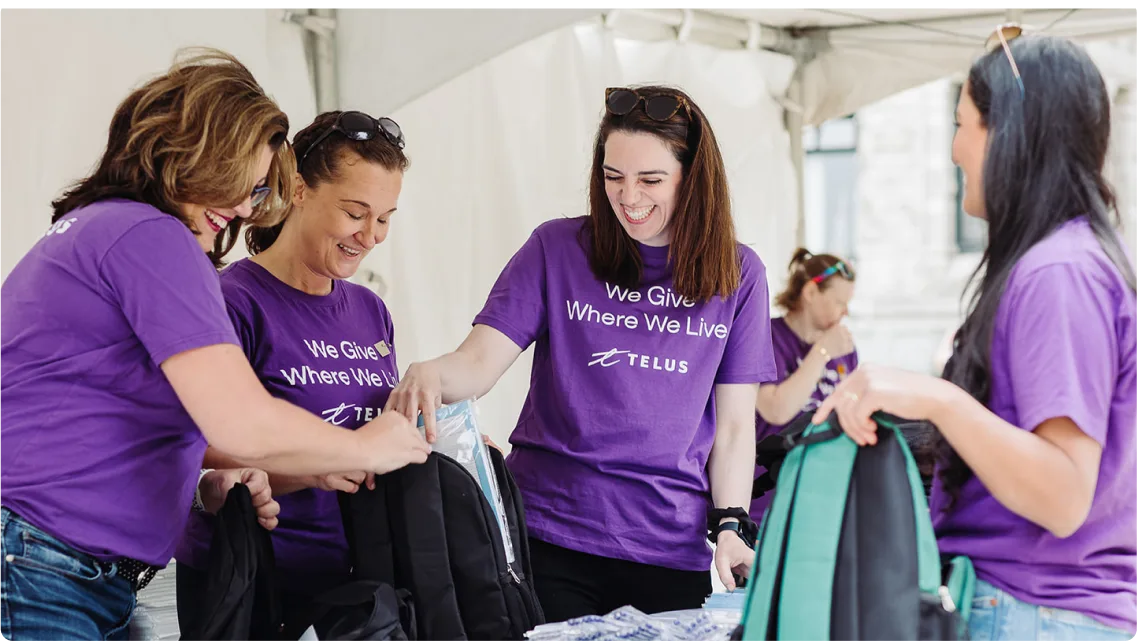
point(746, 529)
point(733, 526)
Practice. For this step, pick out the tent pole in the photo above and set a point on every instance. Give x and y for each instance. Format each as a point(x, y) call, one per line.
point(324, 59)
point(320, 50)
point(794, 119)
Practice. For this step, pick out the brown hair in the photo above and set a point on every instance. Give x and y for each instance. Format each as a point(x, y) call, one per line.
point(804, 267)
point(703, 251)
point(192, 136)
point(324, 164)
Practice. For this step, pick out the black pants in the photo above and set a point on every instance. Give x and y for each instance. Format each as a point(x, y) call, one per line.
point(191, 585)
point(571, 584)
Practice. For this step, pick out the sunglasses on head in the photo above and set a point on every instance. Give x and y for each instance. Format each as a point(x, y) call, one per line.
point(1003, 35)
point(360, 126)
point(837, 268)
point(659, 107)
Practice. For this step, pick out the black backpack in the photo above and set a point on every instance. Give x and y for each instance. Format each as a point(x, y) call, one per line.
point(846, 549)
point(428, 529)
point(240, 601)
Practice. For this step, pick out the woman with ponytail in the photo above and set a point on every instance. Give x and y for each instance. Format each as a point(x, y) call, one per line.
point(813, 351)
point(1037, 408)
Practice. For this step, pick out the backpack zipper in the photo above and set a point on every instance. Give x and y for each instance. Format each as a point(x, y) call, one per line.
point(945, 599)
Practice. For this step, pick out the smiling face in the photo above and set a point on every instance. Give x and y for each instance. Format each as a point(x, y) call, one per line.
point(339, 222)
point(969, 151)
point(642, 178)
point(211, 221)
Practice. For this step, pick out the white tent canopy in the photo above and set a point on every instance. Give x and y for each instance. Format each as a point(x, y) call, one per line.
point(499, 109)
point(848, 58)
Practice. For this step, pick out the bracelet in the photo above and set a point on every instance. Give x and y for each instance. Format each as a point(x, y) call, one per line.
point(824, 353)
point(198, 504)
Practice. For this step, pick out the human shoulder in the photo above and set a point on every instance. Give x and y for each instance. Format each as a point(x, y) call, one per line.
point(1072, 251)
point(239, 281)
point(102, 225)
point(752, 265)
point(560, 231)
point(362, 296)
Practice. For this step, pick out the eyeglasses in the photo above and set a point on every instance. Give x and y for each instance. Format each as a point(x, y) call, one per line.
point(259, 194)
point(660, 107)
point(1003, 34)
point(360, 126)
point(837, 268)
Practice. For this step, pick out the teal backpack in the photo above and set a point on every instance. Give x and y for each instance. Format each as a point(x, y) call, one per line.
point(846, 549)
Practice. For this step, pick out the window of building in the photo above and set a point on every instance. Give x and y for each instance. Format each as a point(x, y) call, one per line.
point(830, 186)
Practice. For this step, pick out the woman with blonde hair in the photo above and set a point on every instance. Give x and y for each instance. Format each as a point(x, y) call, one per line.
point(120, 362)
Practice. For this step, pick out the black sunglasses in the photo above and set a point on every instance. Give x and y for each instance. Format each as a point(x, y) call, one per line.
point(360, 126)
point(659, 107)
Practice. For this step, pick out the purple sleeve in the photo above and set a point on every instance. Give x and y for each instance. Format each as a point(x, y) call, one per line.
point(1062, 350)
point(517, 304)
point(785, 357)
point(243, 328)
point(167, 289)
point(749, 354)
point(390, 325)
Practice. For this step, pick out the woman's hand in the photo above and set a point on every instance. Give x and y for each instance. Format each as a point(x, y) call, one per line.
point(732, 556)
point(869, 389)
point(393, 443)
point(344, 482)
point(420, 391)
point(837, 341)
point(214, 487)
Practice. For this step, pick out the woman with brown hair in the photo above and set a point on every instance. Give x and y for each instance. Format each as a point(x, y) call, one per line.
point(292, 306)
point(813, 350)
point(120, 363)
point(651, 325)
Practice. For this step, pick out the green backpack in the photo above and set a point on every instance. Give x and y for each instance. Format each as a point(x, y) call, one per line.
point(846, 549)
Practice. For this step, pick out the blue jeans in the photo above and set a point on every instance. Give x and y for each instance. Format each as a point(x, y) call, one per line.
point(998, 615)
point(49, 590)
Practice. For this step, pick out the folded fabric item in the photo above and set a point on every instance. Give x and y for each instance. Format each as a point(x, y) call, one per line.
point(629, 624)
point(726, 600)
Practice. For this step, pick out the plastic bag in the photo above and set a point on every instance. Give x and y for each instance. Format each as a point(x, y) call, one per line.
point(459, 437)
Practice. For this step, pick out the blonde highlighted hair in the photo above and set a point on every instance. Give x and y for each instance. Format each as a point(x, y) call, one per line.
point(193, 135)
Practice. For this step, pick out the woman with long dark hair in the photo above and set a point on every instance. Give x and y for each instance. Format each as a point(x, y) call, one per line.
point(1036, 410)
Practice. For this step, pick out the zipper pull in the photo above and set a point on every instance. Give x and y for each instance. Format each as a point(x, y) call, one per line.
point(513, 575)
point(945, 599)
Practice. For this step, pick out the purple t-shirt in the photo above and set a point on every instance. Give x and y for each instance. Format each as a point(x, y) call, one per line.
point(1063, 346)
point(332, 355)
point(789, 351)
point(98, 451)
point(611, 446)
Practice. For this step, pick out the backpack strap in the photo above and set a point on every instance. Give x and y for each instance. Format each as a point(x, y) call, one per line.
point(804, 607)
point(960, 581)
point(927, 550)
point(772, 450)
point(757, 612)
